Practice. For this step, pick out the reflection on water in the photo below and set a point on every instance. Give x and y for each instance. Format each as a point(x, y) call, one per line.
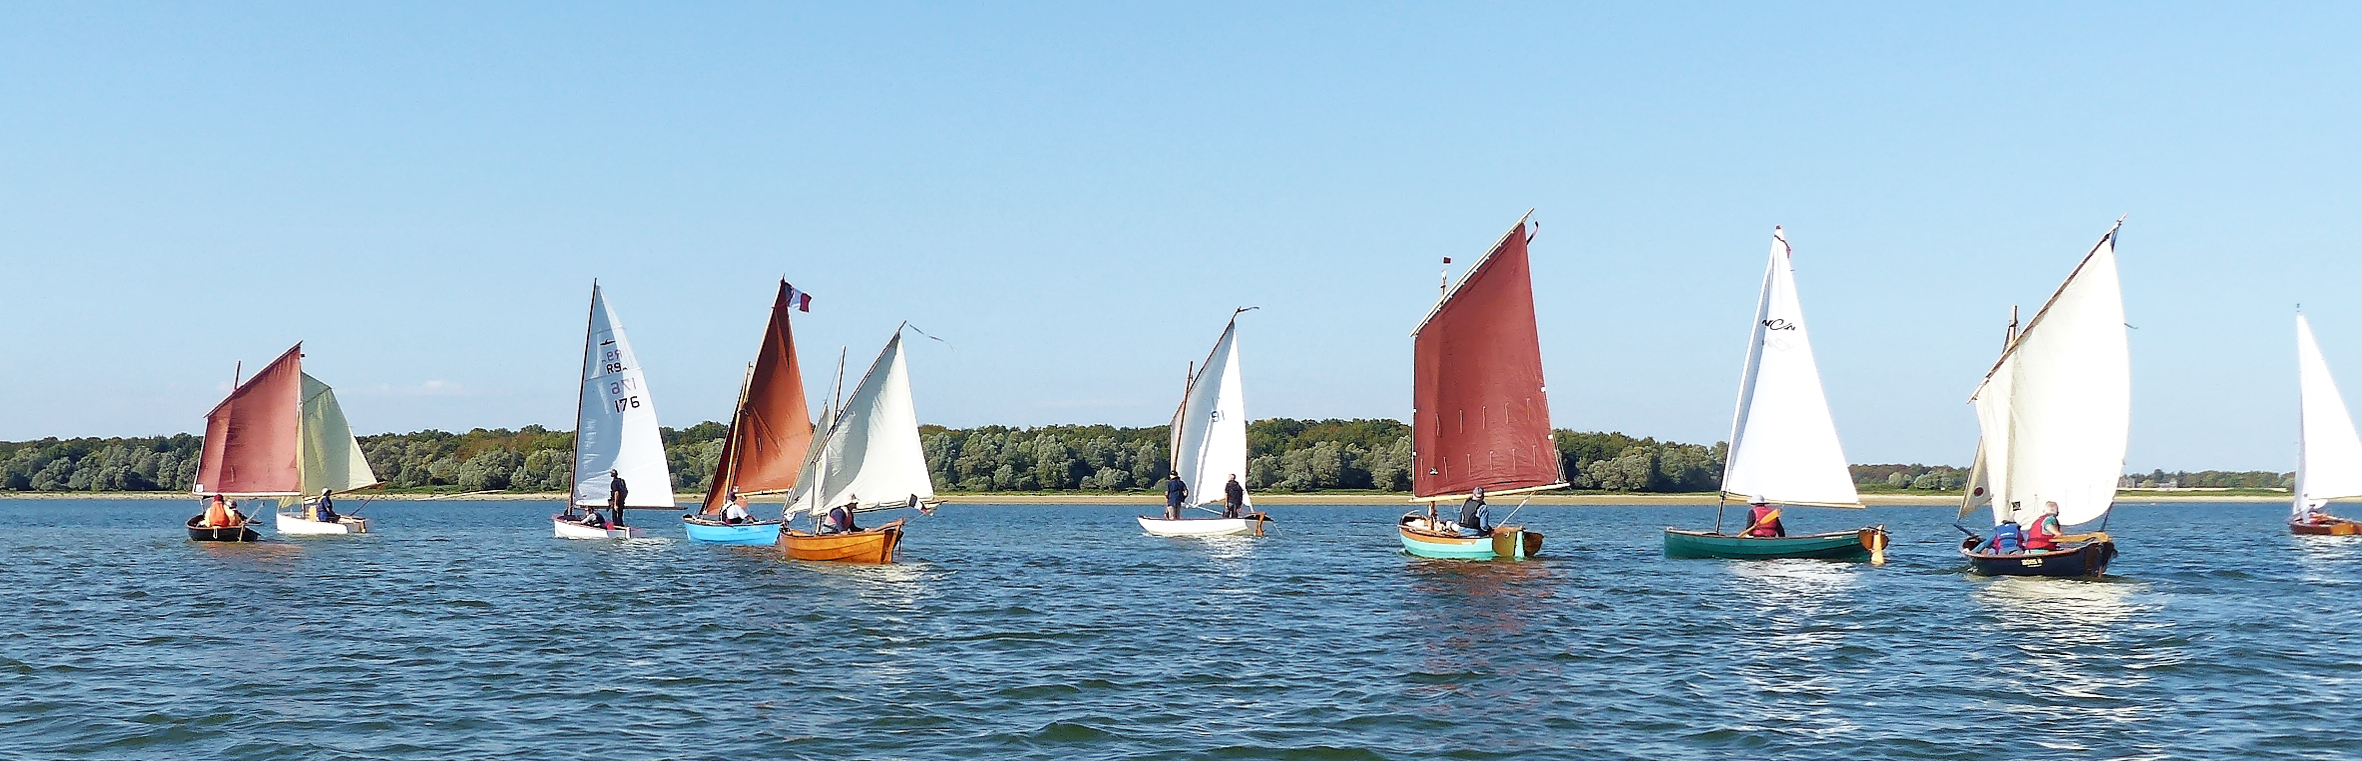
point(2061, 646)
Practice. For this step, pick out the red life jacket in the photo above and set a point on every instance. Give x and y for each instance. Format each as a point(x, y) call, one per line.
point(2039, 537)
point(1764, 521)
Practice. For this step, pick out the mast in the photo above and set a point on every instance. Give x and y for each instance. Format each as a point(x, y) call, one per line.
point(589, 318)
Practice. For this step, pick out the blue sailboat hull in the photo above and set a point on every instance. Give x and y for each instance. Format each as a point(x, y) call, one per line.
point(762, 533)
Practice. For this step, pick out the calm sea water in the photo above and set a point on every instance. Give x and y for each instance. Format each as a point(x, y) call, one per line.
point(463, 630)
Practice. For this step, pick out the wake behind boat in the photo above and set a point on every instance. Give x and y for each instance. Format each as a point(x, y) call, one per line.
point(2329, 453)
point(770, 434)
point(2054, 414)
point(1209, 441)
point(616, 440)
point(1480, 414)
point(280, 434)
point(1783, 444)
point(868, 458)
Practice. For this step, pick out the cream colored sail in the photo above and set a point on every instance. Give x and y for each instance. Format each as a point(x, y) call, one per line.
point(2328, 454)
point(2056, 410)
point(1210, 430)
point(871, 452)
point(329, 457)
point(1783, 445)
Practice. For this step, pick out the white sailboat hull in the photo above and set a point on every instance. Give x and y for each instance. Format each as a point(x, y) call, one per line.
point(291, 524)
point(1200, 526)
point(567, 529)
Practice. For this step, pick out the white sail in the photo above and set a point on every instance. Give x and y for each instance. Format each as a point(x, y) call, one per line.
point(871, 451)
point(1210, 431)
point(616, 429)
point(2329, 454)
point(1783, 446)
point(2056, 410)
point(329, 457)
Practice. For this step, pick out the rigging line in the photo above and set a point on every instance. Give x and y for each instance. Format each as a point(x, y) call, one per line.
point(915, 329)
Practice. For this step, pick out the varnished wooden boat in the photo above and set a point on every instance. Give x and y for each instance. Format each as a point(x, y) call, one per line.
point(874, 545)
point(2326, 526)
point(1858, 544)
point(242, 533)
point(2086, 558)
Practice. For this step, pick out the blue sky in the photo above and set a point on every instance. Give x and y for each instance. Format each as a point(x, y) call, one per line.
point(1075, 196)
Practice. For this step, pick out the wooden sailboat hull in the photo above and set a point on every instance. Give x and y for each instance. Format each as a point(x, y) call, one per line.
point(567, 529)
point(291, 524)
point(2327, 527)
point(708, 531)
point(1834, 545)
point(1505, 543)
point(219, 534)
point(869, 546)
point(1251, 524)
point(2087, 559)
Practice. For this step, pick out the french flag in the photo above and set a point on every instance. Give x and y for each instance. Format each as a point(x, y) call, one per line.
point(800, 300)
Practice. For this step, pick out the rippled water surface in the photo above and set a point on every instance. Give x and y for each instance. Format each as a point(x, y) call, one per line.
point(463, 630)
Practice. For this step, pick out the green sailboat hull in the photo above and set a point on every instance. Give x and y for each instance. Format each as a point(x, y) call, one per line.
point(1835, 545)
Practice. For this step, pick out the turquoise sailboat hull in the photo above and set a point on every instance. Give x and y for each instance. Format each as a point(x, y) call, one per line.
point(1835, 545)
point(1506, 542)
point(764, 533)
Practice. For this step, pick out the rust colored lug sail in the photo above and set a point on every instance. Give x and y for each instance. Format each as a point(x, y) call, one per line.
point(253, 438)
point(1481, 417)
point(768, 437)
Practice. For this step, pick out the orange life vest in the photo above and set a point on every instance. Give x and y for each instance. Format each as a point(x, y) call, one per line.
point(217, 515)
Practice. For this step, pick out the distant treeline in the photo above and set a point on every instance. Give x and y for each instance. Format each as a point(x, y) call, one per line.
point(1285, 455)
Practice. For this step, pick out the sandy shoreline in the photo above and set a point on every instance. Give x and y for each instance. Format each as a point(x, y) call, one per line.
point(2126, 497)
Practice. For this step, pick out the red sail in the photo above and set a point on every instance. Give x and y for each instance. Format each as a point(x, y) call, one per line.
point(1480, 417)
point(252, 439)
point(765, 449)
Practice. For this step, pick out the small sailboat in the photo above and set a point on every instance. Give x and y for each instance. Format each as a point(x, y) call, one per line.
point(867, 458)
point(615, 436)
point(1209, 444)
point(769, 435)
point(2054, 414)
point(1783, 444)
point(281, 434)
point(1480, 417)
point(2328, 454)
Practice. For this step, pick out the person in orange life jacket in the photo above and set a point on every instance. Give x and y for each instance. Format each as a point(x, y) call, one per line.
point(2043, 535)
point(221, 514)
point(1763, 520)
point(1175, 492)
point(1473, 514)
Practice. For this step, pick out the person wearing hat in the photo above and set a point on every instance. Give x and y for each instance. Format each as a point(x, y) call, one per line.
point(324, 510)
point(1473, 514)
point(1763, 520)
point(220, 513)
point(1175, 493)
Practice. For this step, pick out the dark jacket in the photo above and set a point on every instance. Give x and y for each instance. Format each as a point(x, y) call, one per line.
point(616, 491)
point(1234, 495)
point(1472, 513)
point(1175, 491)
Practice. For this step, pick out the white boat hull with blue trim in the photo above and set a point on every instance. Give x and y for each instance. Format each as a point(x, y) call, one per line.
point(1505, 542)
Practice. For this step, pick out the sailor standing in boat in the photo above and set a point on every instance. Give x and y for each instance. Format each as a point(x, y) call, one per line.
point(1175, 492)
point(1234, 498)
point(616, 490)
point(1473, 514)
